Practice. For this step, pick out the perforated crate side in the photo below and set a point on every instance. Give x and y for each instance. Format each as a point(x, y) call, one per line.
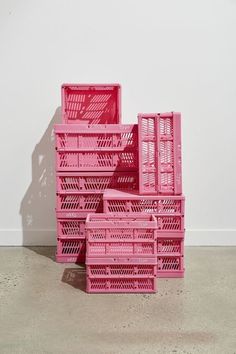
point(80, 202)
point(124, 202)
point(121, 285)
point(68, 161)
point(160, 170)
point(71, 250)
point(96, 182)
point(91, 103)
point(121, 270)
point(170, 266)
point(102, 137)
point(126, 248)
point(71, 227)
point(170, 246)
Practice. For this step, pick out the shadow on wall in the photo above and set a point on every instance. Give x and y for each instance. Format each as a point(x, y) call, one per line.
point(38, 204)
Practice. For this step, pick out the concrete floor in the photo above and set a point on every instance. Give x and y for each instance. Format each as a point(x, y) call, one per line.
point(44, 309)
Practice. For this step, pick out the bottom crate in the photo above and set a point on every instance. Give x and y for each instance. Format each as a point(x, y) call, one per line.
point(71, 250)
point(121, 285)
point(170, 266)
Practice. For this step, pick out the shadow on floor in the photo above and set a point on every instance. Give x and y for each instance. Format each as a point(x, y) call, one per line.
point(46, 251)
point(75, 277)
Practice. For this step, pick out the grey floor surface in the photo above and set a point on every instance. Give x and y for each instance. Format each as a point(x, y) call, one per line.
point(44, 308)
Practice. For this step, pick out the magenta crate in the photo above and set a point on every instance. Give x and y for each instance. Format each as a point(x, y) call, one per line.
point(71, 250)
point(160, 170)
point(120, 235)
point(121, 285)
point(81, 203)
point(121, 267)
point(169, 210)
point(91, 103)
point(96, 147)
point(170, 266)
point(71, 227)
point(96, 182)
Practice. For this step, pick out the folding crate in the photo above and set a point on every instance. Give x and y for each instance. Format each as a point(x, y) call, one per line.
point(95, 182)
point(79, 203)
point(120, 235)
point(99, 147)
point(169, 210)
point(160, 170)
point(121, 285)
point(170, 266)
point(71, 227)
point(71, 250)
point(121, 267)
point(91, 103)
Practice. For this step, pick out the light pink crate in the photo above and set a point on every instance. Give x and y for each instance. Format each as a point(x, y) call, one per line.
point(95, 182)
point(99, 147)
point(71, 227)
point(121, 285)
point(169, 210)
point(91, 103)
point(121, 267)
point(170, 266)
point(71, 250)
point(160, 170)
point(120, 235)
point(80, 203)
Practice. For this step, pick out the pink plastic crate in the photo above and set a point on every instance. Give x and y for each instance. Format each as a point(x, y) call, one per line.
point(91, 103)
point(170, 266)
point(121, 285)
point(96, 147)
point(121, 267)
point(96, 182)
point(170, 246)
point(79, 203)
point(160, 170)
point(71, 227)
point(120, 235)
point(70, 250)
point(169, 210)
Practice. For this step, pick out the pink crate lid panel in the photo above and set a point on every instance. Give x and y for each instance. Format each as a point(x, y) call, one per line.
point(160, 170)
point(169, 210)
point(120, 235)
point(95, 182)
point(101, 147)
point(91, 103)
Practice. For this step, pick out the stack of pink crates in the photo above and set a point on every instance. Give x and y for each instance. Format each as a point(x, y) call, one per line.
point(120, 206)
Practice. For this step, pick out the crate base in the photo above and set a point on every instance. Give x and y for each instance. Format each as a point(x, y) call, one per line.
point(120, 285)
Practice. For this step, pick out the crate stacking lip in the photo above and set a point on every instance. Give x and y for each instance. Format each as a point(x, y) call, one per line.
point(71, 250)
point(111, 147)
point(91, 103)
point(169, 210)
point(160, 170)
point(95, 182)
point(120, 235)
point(79, 203)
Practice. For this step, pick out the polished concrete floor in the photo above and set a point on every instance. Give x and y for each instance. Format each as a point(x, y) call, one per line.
point(44, 308)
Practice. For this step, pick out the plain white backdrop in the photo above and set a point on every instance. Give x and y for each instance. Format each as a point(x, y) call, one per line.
point(167, 55)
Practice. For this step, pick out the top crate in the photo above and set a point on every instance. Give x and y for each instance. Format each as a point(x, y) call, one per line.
point(91, 104)
point(160, 169)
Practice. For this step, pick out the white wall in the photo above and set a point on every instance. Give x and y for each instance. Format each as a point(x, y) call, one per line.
point(168, 55)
